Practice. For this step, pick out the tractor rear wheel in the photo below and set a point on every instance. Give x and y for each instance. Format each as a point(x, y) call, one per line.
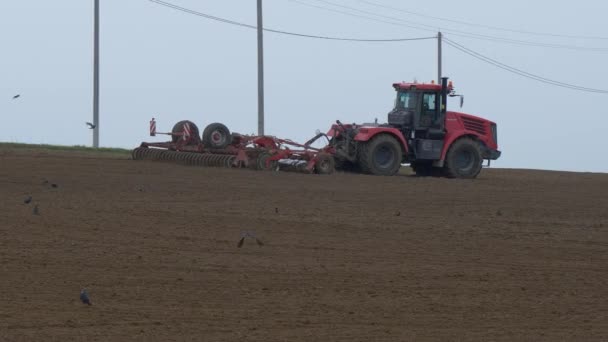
point(380, 156)
point(464, 159)
point(216, 136)
point(178, 129)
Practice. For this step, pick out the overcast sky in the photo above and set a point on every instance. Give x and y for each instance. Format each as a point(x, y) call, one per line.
point(158, 62)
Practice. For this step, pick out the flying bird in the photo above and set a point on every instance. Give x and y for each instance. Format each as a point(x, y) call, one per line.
point(16, 96)
point(27, 200)
point(91, 126)
point(251, 235)
point(84, 297)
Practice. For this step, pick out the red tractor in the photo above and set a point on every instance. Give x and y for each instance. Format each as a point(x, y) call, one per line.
point(420, 131)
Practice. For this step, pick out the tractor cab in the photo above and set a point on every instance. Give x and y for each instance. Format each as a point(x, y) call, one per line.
point(420, 109)
point(419, 113)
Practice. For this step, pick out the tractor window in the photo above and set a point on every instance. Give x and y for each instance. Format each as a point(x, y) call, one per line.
point(406, 100)
point(428, 101)
point(429, 109)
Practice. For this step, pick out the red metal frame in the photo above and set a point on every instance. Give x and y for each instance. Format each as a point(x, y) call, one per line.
point(245, 148)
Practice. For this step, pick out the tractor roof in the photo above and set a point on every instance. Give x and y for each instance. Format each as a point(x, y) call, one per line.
point(420, 86)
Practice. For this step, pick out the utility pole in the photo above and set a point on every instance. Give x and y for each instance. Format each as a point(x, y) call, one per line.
point(260, 70)
point(96, 78)
point(439, 57)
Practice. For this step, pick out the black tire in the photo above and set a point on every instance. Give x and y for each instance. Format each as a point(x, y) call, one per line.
point(216, 136)
point(178, 128)
point(380, 156)
point(260, 163)
point(464, 159)
point(325, 164)
point(426, 169)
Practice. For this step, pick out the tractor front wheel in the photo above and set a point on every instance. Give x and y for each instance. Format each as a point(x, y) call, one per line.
point(464, 159)
point(380, 156)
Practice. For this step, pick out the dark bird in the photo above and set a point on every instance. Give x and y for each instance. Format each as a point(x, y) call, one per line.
point(276, 210)
point(54, 185)
point(27, 200)
point(45, 181)
point(84, 297)
point(398, 213)
point(16, 96)
point(251, 235)
point(91, 126)
point(35, 211)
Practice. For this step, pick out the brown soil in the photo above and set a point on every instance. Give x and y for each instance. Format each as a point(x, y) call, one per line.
point(512, 256)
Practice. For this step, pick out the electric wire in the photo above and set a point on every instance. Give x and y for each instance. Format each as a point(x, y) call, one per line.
point(517, 71)
point(497, 28)
point(432, 28)
point(232, 22)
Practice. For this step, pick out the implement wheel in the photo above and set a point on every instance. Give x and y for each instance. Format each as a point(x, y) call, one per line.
point(217, 136)
point(179, 129)
point(380, 156)
point(325, 164)
point(263, 164)
point(464, 159)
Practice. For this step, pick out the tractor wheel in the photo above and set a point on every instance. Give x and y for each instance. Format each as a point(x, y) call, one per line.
point(179, 129)
point(325, 164)
point(380, 156)
point(261, 164)
point(464, 159)
point(217, 136)
point(426, 169)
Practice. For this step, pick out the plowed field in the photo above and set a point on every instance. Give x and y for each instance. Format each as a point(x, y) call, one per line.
point(515, 255)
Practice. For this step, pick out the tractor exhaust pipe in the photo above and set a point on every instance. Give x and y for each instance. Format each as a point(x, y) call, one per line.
point(444, 95)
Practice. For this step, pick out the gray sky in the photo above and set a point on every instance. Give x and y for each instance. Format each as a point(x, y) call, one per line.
point(157, 62)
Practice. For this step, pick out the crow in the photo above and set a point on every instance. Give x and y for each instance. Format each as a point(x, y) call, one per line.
point(91, 126)
point(16, 96)
point(251, 235)
point(27, 200)
point(84, 297)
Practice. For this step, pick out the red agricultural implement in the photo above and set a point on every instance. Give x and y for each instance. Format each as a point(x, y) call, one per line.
point(219, 148)
point(420, 132)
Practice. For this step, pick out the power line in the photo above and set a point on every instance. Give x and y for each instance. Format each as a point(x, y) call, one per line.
point(232, 22)
point(432, 28)
point(497, 28)
point(519, 72)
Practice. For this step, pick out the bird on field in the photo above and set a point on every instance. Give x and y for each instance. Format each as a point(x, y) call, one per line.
point(398, 213)
point(35, 211)
point(84, 297)
point(16, 96)
point(27, 200)
point(251, 235)
point(91, 126)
